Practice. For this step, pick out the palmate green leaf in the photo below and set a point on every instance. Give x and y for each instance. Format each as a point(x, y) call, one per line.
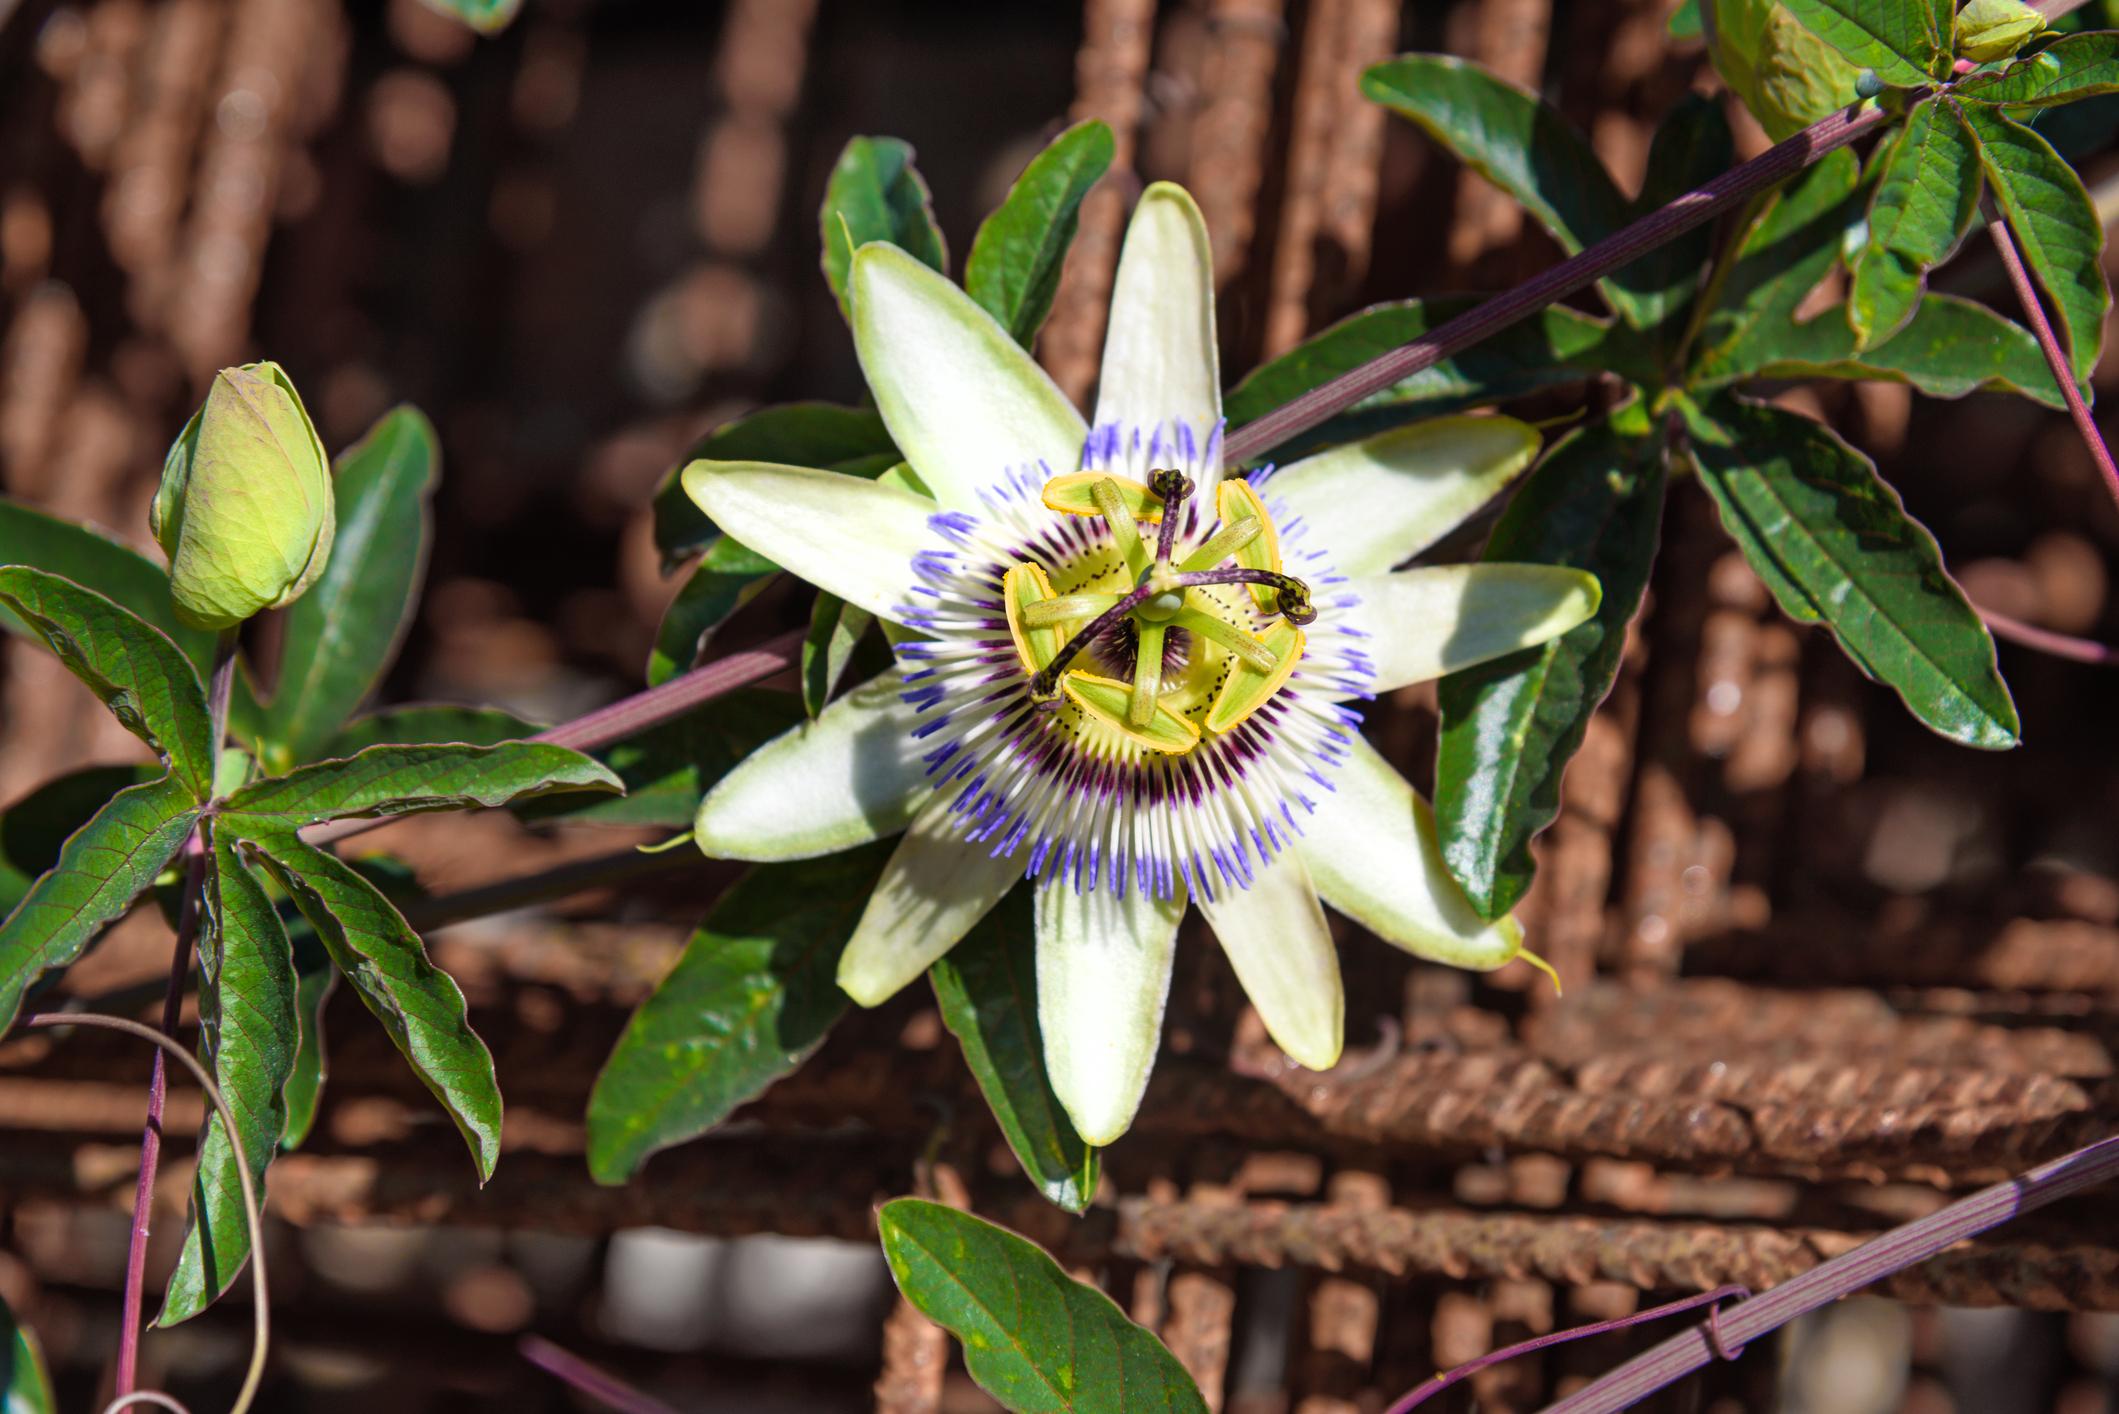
point(1834, 544)
point(752, 996)
point(25, 1383)
point(1014, 267)
point(341, 636)
point(377, 951)
point(1510, 726)
point(875, 193)
point(102, 868)
point(1034, 1338)
point(835, 629)
point(987, 988)
point(2054, 221)
point(793, 434)
point(423, 723)
point(1949, 348)
point(1557, 345)
point(1907, 42)
point(249, 1029)
point(142, 677)
point(728, 576)
point(1516, 142)
point(1923, 204)
point(95, 561)
point(1692, 146)
point(667, 769)
point(2074, 67)
point(485, 16)
point(386, 781)
point(36, 827)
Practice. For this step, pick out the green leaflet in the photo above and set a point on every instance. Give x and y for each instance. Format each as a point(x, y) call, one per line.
point(385, 781)
point(342, 635)
point(728, 576)
point(2075, 67)
point(142, 677)
point(1923, 204)
point(835, 629)
point(2053, 219)
point(750, 999)
point(248, 1033)
point(1014, 267)
point(1949, 348)
point(304, 1089)
point(1034, 1338)
point(1835, 545)
point(987, 988)
point(96, 562)
point(377, 951)
point(102, 868)
point(793, 434)
point(1692, 146)
point(1907, 42)
point(25, 1384)
point(34, 828)
point(1509, 727)
point(876, 194)
point(1789, 248)
point(425, 723)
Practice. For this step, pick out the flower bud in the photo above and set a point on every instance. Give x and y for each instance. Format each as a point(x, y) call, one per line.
point(1787, 76)
point(245, 508)
point(1994, 29)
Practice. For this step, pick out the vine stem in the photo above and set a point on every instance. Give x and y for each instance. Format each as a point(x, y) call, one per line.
point(1746, 1321)
point(2045, 640)
point(595, 1382)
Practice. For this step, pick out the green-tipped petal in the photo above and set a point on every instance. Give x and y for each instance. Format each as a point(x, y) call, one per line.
point(1422, 623)
point(1375, 503)
point(1373, 855)
point(843, 533)
point(1103, 974)
point(1161, 360)
point(851, 776)
point(1277, 940)
point(933, 890)
point(961, 398)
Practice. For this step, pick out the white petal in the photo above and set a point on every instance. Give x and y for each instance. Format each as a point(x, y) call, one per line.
point(962, 400)
point(1375, 503)
point(1372, 851)
point(933, 890)
point(843, 533)
point(1103, 974)
point(1160, 357)
point(1422, 623)
point(851, 776)
point(1277, 940)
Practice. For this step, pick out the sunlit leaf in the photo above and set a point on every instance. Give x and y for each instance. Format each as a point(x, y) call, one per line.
point(95, 561)
point(1014, 267)
point(876, 194)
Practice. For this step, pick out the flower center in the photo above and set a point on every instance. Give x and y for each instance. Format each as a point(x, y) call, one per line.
point(1179, 649)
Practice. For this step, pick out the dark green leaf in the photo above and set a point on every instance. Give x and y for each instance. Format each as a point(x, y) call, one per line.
point(1897, 38)
point(417, 1003)
point(987, 987)
point(427, 723)
point(25, 1384)
point(1692, 147)
point(96, 562)
point(835, 628)
point(1510, 726)
point(34, 828)
point(752, 996)
point(1835, 545)
point(142, 677)
point(248, 1031)
point(1791, 246)
point(304, 1089)
point(1014, 267)
point(1516, 142)
point(727, 577)
point(102, 868)
point(1950, 348)
point(341, 635)
point(2054, 221)
point(485, 16)
point(2075, 67)
point(1684, 21)
point(794, 434)
point(385, 781)
point(666, 769)
point(877, 194)
point(1924, 203)
point(1034, 1338)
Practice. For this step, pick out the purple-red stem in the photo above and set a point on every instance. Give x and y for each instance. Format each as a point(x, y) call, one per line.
point(2044, 640)
point(597, 1384)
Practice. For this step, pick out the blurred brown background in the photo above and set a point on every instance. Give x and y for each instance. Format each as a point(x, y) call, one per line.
point(1824, 969)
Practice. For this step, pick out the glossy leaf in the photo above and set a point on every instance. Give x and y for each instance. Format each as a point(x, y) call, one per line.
point(1510, 726)
point(876, 194)
point(426, 723)
point(95, 561)
point(341, 636)
point(1832, 541)
point(140, 675)
point(102, 868)
point(1949, 348)
point(304, 1090)
point(1014, 267)
point(386, 781)
point(728, 576)
point(25, 1383)
point(793, 434)
point(36, 827)
point(2072, 68)
point(667, 769)
point(1692, 146)
point(835, 629)
point(2054, 222)
point(752, 996)
point(987, 988)
point(249, 1028)
point(377, 951)
point(1897, 38)
point(1924, 203)
point(1034, 1338)
point(1791, 246)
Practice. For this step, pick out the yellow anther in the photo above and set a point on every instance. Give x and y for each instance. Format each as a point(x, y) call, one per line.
point(1235, 501)
point(1074, 494)
point(1110, 702)
point(1247, 688)
point(1022, 587)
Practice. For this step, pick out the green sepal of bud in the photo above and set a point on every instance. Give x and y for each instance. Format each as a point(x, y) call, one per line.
point(245, 509)
point(1994, 29)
